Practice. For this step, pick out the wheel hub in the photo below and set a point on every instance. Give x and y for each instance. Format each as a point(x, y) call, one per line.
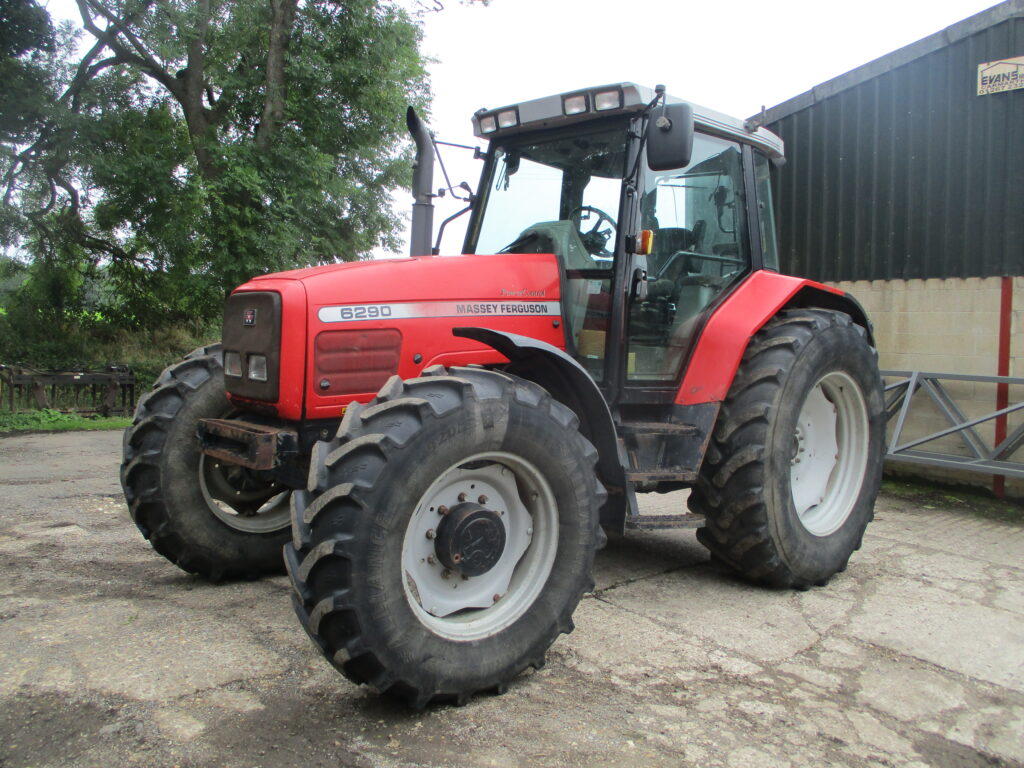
point(830, 454)
point(470, 539)
point(479, 545)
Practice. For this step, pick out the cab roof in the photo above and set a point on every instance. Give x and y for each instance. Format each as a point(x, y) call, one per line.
point(598, 102)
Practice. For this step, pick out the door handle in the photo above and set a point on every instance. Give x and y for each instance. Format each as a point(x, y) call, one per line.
point(638, 290)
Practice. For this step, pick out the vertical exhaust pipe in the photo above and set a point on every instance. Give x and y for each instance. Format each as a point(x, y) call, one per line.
point(422, 186)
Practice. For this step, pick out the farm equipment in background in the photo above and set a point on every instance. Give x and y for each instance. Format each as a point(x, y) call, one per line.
point(106, 391)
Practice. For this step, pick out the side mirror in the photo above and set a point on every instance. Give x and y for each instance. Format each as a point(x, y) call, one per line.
point(670, 137)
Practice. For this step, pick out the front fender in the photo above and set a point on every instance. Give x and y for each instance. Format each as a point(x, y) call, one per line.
point(569, 383)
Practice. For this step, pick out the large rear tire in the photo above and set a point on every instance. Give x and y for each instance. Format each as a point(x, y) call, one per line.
point(216, 520)
point(447, 536)
point(790, 478)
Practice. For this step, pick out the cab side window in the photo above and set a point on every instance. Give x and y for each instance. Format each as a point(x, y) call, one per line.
point(698, 216)
point(766, 211)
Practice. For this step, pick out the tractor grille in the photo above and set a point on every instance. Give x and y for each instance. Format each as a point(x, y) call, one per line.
point(252, 345)
point(355, 362)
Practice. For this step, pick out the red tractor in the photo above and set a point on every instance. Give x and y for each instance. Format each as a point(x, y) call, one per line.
point(439, 443)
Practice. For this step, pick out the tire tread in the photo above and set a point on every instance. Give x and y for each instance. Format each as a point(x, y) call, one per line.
point(730, 487)
point(327, 516)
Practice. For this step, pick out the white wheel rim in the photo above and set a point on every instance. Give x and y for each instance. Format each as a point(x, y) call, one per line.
point(464, 608)
point(830, 454)
point(272, 514)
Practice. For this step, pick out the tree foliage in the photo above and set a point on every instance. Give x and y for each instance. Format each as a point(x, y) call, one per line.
point(171, 149)
point(25, 34)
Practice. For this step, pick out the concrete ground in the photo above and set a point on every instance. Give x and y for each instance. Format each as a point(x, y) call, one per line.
point(111, 656)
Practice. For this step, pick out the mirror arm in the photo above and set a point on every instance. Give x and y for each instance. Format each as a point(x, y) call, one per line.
point(440, 230)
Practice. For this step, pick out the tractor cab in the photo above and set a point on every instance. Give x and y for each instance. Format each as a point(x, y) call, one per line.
point(647, 247)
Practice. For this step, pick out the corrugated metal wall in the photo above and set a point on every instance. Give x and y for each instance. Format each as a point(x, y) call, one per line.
point(908, 173)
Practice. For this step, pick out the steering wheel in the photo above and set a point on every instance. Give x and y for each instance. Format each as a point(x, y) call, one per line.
point(596, 239)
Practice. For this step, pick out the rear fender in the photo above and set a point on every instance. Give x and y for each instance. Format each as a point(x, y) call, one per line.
point(811, 296)
point(570, 384)
point(730, 328)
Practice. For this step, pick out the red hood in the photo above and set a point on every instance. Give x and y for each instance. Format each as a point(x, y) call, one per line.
point(424, 278)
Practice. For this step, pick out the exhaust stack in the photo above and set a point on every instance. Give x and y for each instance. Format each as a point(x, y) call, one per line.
point(422, 186)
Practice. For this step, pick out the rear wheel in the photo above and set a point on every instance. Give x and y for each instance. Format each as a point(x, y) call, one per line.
point(448, 536)
point(210, 518)
point(789, 481)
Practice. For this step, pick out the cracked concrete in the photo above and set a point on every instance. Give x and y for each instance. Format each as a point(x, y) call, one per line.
point(111, 656)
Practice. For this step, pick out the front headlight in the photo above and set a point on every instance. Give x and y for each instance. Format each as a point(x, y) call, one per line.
point(232, 364)
point(257, 367)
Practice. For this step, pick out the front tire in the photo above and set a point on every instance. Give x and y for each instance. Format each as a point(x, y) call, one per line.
point(790, 478)
point(448, 534)
point(215, 520)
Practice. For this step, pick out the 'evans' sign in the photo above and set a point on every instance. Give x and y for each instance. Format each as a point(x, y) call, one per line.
point(1003, 75)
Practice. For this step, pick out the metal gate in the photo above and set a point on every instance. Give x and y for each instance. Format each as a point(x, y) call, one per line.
point(905, 391)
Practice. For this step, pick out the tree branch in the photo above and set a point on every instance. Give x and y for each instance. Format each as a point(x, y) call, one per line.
point(137, 54)
point(282, 20)
point(67, 186)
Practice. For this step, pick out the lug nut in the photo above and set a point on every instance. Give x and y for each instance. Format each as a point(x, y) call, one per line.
point(446, 574)
point(442, 510)
point(496, 598)
point(462, 497)
point(482, 499)
point(430, 560)
point(431, 534)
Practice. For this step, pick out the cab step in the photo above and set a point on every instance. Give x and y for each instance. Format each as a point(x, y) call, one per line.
point(661, 522)
point(657, 428)
point(661, 475)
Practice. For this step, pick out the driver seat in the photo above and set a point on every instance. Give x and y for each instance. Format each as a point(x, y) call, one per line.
point(558, 237)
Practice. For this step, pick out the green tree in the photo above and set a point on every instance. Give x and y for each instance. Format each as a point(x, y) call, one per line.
point(26, 36)
point(191, 144)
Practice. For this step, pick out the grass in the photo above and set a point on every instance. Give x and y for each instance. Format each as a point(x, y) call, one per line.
point(54, 421)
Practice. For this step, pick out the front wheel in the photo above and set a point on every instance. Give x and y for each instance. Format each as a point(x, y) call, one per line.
point(209, 518)
point(789, 482)
point(448, 536)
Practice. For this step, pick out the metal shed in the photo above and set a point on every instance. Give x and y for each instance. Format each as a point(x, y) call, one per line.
point(906, 167)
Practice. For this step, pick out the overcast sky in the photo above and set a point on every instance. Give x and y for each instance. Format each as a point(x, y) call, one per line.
point(729, 55)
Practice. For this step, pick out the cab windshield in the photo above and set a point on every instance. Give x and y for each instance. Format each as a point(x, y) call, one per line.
point(556, 195)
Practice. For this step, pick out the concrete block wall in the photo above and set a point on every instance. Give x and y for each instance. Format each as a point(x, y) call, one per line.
point(946, 326)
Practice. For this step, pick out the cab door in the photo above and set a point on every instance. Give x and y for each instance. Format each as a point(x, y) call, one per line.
point(698, 216)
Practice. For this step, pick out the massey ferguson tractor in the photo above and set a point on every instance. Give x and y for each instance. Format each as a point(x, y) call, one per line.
point(440, 443)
